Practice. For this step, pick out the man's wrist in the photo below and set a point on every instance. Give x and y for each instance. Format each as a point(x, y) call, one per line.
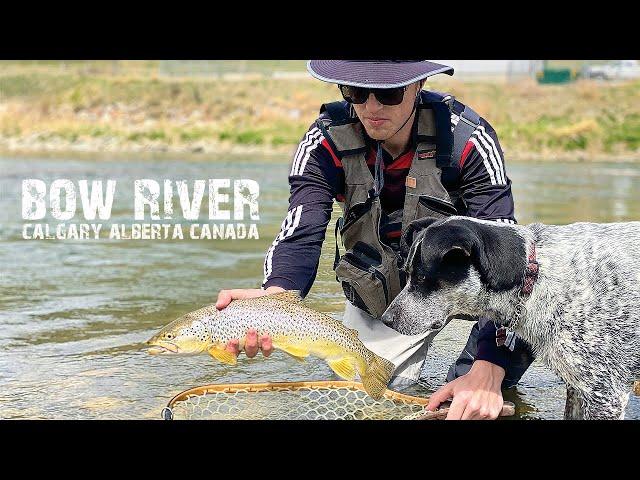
point(274, 289)
point(496, 372)
point(280, 282)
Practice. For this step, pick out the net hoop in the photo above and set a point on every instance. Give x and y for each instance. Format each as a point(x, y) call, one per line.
point(167, 412)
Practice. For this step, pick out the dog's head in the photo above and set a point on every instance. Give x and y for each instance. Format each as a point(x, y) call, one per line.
point(450, 266)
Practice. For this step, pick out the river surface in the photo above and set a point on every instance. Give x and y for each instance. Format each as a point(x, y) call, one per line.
point(73, 313)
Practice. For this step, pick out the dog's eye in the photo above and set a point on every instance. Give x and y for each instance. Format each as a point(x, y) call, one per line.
point(421, 278)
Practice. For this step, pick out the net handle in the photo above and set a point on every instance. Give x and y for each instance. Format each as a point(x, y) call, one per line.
point(508, 410)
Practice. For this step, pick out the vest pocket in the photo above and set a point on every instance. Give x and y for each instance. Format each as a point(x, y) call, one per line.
point(429, 206)
point(363, 282)
point(354, 213)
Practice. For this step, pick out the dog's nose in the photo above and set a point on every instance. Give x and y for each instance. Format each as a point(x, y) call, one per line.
point(387, 318)
point(437, 325)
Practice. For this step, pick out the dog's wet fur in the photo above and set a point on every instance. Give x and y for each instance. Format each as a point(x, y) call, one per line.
point(582, 317)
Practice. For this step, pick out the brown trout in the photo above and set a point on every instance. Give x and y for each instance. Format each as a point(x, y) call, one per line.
point(294, 328)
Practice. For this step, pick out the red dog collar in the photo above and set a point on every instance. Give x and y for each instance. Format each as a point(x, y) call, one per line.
point(531, 273)
point(505, 335)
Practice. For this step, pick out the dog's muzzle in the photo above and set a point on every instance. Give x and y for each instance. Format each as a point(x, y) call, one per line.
point(386, 318)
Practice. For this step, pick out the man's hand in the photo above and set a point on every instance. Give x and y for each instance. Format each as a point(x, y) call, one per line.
point(251, 343)
point(476, 395)
point(226, 296)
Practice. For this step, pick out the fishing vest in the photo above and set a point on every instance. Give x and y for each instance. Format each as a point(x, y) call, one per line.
point(371, 271)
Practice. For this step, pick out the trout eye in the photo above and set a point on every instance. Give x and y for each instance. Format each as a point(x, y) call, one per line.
point(168, 336)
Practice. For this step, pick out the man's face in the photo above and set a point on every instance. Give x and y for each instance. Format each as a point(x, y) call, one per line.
point(382, 121)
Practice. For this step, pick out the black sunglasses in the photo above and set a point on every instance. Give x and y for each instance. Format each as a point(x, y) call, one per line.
point(359, 95)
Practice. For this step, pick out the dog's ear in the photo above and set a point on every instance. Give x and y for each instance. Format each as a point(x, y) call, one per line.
point(501, 255)
point(408, 237)
point(446, 251)
point(498, 253)
point(413, 250)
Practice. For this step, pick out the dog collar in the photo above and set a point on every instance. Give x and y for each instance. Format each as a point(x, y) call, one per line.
point(504, 334)
point(531, 273)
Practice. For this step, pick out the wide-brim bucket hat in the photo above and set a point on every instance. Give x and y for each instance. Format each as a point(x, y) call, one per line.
point(375, 73)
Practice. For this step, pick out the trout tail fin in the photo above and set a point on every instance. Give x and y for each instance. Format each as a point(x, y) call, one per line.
point(377, 375)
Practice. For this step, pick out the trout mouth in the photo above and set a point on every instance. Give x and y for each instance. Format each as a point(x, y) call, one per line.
point(162, 348)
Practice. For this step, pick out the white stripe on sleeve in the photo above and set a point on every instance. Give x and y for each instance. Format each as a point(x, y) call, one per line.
point(312, 147)
point(495, 151)
point(287, 228)
point(300, 146)
point(308, 140)
point(485, 159)
point(494, 161)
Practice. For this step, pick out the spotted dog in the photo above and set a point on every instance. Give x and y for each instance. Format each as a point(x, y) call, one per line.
point(572, 292)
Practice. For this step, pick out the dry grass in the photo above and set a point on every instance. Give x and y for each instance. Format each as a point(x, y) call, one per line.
point(45, 108)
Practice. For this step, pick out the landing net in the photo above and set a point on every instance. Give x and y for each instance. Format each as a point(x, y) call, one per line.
point(326, 400)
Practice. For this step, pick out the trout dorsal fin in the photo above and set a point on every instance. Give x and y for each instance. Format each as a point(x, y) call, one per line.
point(288, 296)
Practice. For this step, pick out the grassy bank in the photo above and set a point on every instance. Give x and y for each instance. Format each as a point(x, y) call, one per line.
point(49, 109)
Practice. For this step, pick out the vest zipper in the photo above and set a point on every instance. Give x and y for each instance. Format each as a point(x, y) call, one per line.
point(376, 273)
point(354, 215)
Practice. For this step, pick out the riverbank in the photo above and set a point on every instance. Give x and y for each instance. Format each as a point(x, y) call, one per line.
point(59, 111)
point(213, 152)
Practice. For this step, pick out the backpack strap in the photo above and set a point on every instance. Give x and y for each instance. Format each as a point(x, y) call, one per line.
point(343, 131)
point(337, 112)
point(440, 104)
point(469, 121)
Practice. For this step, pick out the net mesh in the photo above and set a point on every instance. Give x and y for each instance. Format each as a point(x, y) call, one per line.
point(292, 401)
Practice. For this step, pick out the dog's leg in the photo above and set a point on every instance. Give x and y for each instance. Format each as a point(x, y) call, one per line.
point(599, 404)
point(606, 405)
point(573, 407)
point(625, 400)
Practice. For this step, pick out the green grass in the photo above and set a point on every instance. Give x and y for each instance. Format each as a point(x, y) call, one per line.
point(626, 133)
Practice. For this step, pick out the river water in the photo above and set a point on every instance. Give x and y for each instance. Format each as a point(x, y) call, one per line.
point(73, 313)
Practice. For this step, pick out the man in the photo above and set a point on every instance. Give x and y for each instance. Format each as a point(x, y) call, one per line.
point(391, 154)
